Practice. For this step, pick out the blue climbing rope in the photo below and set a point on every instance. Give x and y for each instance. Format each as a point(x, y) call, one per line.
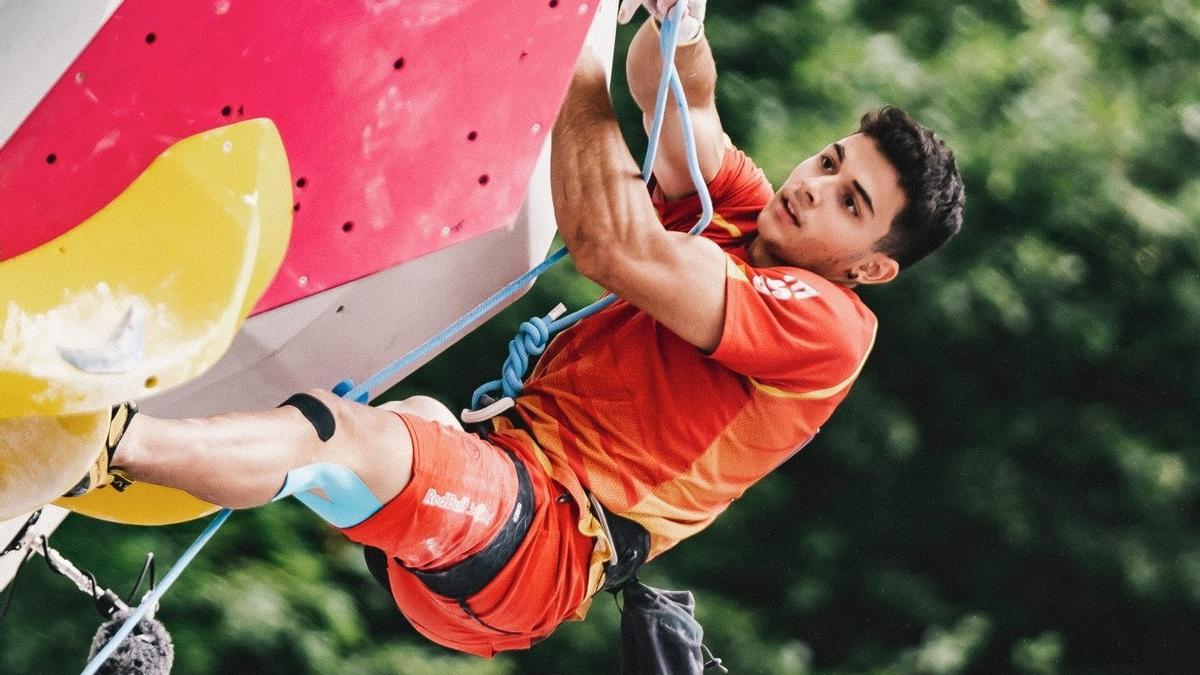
point(152, 599)
point(534, 335)
point(529, 341)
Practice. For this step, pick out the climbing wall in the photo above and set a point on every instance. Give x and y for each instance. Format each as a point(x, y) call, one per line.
point(410, 126)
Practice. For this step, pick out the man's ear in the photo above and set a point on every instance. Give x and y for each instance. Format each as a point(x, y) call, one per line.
point(876, 268)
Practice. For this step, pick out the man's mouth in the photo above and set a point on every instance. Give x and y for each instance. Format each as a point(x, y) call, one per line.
point(787, 209)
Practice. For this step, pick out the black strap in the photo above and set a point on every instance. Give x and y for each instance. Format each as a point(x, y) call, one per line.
point(632, 542)
point(317, 413)
point(377, 566)
point(467, 577)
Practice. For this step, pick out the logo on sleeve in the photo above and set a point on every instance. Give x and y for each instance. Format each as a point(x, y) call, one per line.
point(787, 288)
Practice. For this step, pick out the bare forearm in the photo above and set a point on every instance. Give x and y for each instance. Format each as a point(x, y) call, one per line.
point(600, 201)
point(605, 215)
point(697, 69)
point(698, 74)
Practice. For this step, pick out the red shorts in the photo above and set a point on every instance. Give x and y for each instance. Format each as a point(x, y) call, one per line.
point(462, 490)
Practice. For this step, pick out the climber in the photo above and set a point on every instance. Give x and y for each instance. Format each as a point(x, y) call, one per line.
point(641, 424)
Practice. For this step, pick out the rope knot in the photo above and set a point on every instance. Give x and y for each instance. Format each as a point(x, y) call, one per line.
point(531, 340)
point(534, 334)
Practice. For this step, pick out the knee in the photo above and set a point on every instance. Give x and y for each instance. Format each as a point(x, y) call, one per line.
point(424, 407)
point(325, 396)
point(342, 409)
point(354, 435)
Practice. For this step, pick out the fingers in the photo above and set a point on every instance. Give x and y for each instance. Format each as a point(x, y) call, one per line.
point(627, 10)
point(657, 8)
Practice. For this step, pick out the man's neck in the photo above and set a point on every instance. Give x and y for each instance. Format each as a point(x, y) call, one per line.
point(758, 256)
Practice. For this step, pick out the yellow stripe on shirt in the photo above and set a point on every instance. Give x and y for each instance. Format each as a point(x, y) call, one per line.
point(726, 225)
point(734, 270)
point(819, 393)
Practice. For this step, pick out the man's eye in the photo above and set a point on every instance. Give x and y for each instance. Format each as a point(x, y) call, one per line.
point(826, 163)
point(851, 205)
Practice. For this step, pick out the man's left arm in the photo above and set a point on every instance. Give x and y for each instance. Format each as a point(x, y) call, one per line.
point(608, 222)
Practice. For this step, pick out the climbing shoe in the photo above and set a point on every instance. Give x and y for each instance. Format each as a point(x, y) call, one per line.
point(101, 472)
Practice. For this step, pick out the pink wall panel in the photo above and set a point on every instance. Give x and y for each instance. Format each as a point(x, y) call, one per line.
point(410, 125)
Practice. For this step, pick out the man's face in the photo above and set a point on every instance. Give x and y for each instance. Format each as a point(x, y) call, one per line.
point(830, 212)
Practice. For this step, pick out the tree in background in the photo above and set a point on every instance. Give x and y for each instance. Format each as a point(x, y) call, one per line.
point(1010, 487)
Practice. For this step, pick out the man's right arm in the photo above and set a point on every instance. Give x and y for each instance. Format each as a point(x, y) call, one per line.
point(698, 74)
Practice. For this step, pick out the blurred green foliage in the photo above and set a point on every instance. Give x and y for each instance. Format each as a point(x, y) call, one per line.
point(1010, 487)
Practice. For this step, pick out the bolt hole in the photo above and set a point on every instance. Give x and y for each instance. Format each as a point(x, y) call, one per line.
point(483, 180)
point(226, 111)
point(51, 158)
point(472, 136)
point(150, 38)
point(151, 382)
point(347, 226)
point(241, 111)
point(553, 4)
point(398, 63)
point(301, 182)
point(296, 206)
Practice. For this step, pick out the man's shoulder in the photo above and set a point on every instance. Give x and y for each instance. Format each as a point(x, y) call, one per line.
point(793, 330)
point(739, 192)
point(822, 302)
point(738, 184)
point(740, 181)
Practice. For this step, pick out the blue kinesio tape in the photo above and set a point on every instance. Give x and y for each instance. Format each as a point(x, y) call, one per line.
point(350, 501)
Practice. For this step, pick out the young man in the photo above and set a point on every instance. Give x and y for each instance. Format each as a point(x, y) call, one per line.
point(642, 423)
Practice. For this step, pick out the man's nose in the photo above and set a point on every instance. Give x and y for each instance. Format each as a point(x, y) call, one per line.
point(810, 192)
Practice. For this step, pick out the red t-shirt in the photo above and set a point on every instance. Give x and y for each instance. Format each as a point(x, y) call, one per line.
point(667, 435)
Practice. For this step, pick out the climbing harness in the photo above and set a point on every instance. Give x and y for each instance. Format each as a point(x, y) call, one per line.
point(531, 340)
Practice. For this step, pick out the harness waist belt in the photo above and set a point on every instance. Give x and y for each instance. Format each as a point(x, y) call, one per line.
point(470, 575)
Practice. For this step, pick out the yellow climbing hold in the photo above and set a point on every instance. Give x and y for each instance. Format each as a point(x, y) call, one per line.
point(149, 292)
point(143, 296)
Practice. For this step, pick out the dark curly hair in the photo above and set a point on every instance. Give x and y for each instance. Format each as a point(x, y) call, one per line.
point(933, 188)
